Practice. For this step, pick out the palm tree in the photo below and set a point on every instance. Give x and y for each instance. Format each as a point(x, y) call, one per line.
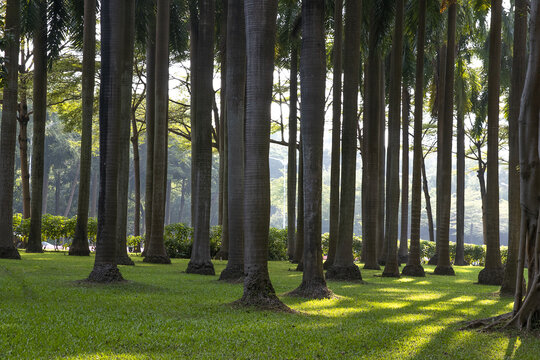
point(235, 107)
point(261, 27)
point(202, 24)
point(414, 266)
point(493, 272)
point(9, 130)
point(444, 177)
point(156, 252)
point(312, 80)
point(391, 268)
point(113, 22)
point(336, 133)
point(299, 244)
point(122, 257)
point(79, 246)
point(403, 251)
point(343, 267)
point(519, 63)
point(38, 137)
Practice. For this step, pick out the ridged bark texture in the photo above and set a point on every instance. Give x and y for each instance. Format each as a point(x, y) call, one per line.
point(291, 162)
point(404, 233)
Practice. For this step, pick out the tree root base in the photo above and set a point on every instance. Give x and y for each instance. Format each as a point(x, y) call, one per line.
point(157, 259)
point(414, 271)
point(344, 273)
point(222, 255)
point(206, 268)
point(434, 260)
point(105, 273)
point(491, 276)
point(403, 259)
point(78, 251)
point(372, 266)
point(259, 292)
point(232, 274)
point(389, 272)
point(444, 271)
point(313, 289)
point(9, 253)
point(300, 267)
point(125, 260)
point(34, 250)
point(461, 263)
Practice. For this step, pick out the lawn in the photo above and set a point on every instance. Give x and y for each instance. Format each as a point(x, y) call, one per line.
point(163, 313)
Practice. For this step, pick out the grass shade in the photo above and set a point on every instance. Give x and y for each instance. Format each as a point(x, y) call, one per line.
point(164, 313)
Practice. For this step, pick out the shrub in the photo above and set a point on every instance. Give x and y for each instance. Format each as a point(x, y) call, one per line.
point(215, 239)
point(277, 244)
point(177, 238)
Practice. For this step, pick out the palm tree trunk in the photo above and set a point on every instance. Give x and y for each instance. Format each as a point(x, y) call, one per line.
point(94, 194)
point(79, 246)
point(391, 268)
point(414, 265)
point(336, 134)
point(312, 80)
point(427, 197)
point(235, 107)
point(24, 119)
point(200, 262)
point(460, 191)
point(8, 131)
point(381, 244)
point(182, 200)
point(46, 187)
point(299, 245)
point(519, 63)
point(343, 267)
point(261, 26)
point(156, 252)
point(74, 183)
point(38, 137)
point(443, 201)
point(137, 175)
point(113, 24)
point(404, 238)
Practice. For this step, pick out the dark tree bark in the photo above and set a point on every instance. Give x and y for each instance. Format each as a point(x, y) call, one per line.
point(381, 244)
point(137, 175)
point(414, 265)
point(519, 63)
point(122, 257)
point(24, 119)
point(460, 190)
point(113, 22)
point(79, 246)
point(182, 200)
point(94, 194)
point(427, 197)
point(74, 183)
point(150, 124)
point(235, 107)
point(445, 179)
point(156, 252)
point(261, 26)
point(391, 268)
point(493, 272)
point(404, 238)
point(222, 131)
point(312, 80)
point(201, 159)
point(46, 176)
point(343, 267)
point(38, 137)
point(336, 134)
point(9, 131)
point(299, 245)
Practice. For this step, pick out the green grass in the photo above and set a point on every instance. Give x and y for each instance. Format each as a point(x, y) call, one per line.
point(163, 313)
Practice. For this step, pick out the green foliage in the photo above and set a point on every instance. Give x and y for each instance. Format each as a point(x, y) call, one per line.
point(474, 254)
point(277, 244)
point(357, 245)
point(177, 238)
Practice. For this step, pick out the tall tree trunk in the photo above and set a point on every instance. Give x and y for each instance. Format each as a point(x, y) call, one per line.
point(137, 175)
point(46, 187)
point(235, 107)
point(72, 192)
point(113, 22)
point(8, 131)
point(312, 80)
point(94, 194)
point(391, 268)
point(156, 252)
point(168, 204)
point(222, 132)
point(299, 245)
point(414, 264)
point(404, 238)
point(343, 267)
point(38, 136)
point(150, 124)
point(371, 152)
point(381, 244)
point(200, 262)
point(519, 63)
point(57, 188)
point(79, 246)
point(182, 200)
point(459, 259)
point(444, 266)
point(261, 25)
point(122, 257)
point(429, 212)
point(493, 272)
point(336, 134)
point(23, 119)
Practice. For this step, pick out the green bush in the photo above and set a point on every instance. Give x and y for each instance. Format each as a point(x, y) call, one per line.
point(177, 238)
point(277, 244)
point(215, 239)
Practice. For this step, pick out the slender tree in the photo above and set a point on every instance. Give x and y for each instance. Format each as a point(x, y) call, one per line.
point(40, 117)
point(403, 252)
point(299, 244)
point(235, 107)
point(261, 26)
point(391, 268)
point(203, 46)
point(414, 265)
point(8, 131)
point(336, 133)
point(343, 267)
point(113, 22)
point(312, 80)
point(493, 272)
point(459, 259)
point(156, 252)
point(519, 63)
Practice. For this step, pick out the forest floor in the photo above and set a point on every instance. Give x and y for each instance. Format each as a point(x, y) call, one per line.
point(164, 313)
